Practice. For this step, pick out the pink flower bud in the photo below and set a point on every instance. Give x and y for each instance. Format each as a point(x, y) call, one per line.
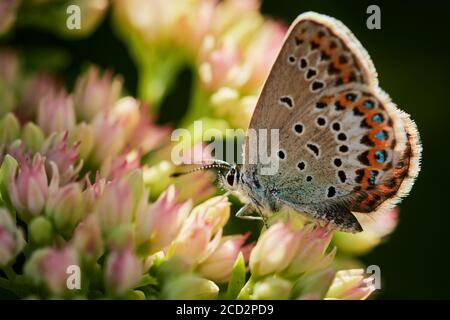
point(196, 240)
point(65, 207)
point(9, 129)
point(83, 136)
point(87, 238)
point(274, 250)
point(146, 134)
point(56, 149)
point(92, 192)
point(55, 113)
point(218, 266)
point(215, 211)
point(262, 51)
point(196, 22)
point(49, 266)
point(9, 60)
point(126, 111)
point(39, 86)
point(220, 67)
point(11, 239)
point(115, 205)
point(158, 224)
point(28, 188)
point(123, 271)
point(118, 167)
point(109, 139)
point(95, 93)
point(309, 255)
point(350, 285)
point(32, 137)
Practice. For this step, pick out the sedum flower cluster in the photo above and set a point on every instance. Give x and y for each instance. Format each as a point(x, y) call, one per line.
point(88, 207)
point(229, 46)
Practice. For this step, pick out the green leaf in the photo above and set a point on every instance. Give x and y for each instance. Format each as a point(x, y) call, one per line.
point(147, 280)
point(237, 280)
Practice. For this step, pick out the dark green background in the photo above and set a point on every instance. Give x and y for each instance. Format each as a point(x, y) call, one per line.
point(411, 54)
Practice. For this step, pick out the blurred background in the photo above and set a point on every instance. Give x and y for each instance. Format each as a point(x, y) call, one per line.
point(410, 53)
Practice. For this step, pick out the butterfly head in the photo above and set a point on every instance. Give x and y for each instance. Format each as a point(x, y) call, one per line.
point(230, 177)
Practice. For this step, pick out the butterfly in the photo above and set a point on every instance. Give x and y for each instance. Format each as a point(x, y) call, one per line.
point(344, 146)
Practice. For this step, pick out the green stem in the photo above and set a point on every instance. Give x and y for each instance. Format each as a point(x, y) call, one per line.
point(9, 272)
point(198, 105)
point(157, 73)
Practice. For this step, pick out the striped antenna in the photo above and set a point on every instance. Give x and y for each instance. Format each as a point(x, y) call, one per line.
point(215, 164)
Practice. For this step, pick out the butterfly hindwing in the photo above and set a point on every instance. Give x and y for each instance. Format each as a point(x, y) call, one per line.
point(345, 145)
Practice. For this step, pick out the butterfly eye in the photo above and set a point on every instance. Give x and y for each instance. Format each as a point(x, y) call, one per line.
point(230, 178)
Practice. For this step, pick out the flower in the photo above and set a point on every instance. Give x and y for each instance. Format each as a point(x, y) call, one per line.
point(40, 231)
point(190, 287)
point(218, 266)
point(215, 211)
point(64, 155)
point(350, 285)
point(274, 250)
point(282, 249)
point(82, 135)
point(87, 238)
point(272, 288)
point(28, 187)
point(55, 112)
point(7, 14)
point(93, 191)
point(314, 285)
point(95, 93)
point(109, 138)
point(122, 271)
point(311, 249)
point(115, 168)
point(158, 224)
point(65, 207)
point(48, 267)
point(9, 73)
point(196, 241)
point(9, 128)
point(115, 205)
point(9, 67)
point(221, 67)
point(32, 137)
point(39, 85)
point(146, 135)
point(11, 239)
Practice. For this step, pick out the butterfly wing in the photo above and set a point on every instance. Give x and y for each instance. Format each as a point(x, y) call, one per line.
point(345, 145)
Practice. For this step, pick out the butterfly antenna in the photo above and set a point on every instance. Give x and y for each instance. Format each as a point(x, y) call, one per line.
point(216, 164)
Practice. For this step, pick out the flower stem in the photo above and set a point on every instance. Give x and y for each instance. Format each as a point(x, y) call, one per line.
point(9, 272)
point(17, 287)
point(198, 104)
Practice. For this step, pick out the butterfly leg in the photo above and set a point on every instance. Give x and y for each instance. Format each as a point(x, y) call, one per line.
point(263, 218)
point(245, 213)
